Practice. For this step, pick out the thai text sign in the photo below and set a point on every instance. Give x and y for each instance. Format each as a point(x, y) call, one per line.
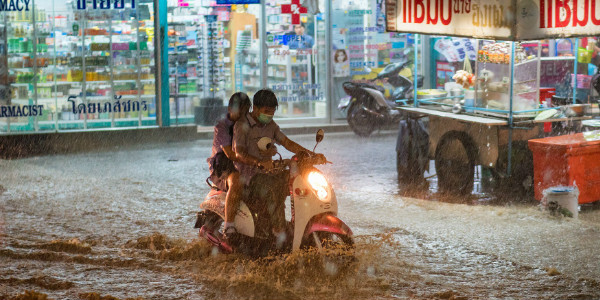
point(495, 19)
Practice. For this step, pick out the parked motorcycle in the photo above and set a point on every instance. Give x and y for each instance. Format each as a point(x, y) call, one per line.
point(314, 221)
point(368, 108)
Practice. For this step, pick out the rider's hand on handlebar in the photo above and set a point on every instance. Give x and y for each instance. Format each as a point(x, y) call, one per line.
point(320, 158)
point(265, 165)
point(269, 152)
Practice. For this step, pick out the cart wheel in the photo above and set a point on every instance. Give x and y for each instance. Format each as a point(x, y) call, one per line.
point(455, 163)
point(361, 121)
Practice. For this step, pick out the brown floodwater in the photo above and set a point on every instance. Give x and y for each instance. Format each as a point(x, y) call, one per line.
point(118, 224)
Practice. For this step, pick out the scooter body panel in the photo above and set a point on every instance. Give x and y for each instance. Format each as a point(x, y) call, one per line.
point(307, 205)
point(244, 222)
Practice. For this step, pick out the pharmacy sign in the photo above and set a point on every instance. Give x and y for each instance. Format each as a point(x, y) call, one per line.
point(295, 9)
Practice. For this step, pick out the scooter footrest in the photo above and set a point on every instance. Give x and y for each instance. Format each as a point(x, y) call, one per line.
point(200, 218)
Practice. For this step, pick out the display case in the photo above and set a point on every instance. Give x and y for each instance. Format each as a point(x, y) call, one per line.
point(509, 81)
point(494, 82)
point(80, 68)
point(199, 63)
point(248, 67)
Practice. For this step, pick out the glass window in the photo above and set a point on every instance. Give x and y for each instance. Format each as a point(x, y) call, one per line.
point(21, 64)
point(78, 65)
point(213, 52)
point(544, 74)
point(296, 57)
point(362, 49)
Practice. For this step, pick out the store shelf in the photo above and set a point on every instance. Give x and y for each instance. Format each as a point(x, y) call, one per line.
point(188, 94)
point(50, 84)
point(286, 64)
point(118, 81)
point(24, 69)
point(526, 62)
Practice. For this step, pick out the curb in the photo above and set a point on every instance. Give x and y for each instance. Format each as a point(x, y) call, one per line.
point(14, 146)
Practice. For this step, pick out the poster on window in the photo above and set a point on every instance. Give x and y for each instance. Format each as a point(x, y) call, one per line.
point(341, 64)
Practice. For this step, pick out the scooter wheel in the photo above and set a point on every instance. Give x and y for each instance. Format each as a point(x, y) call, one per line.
point(360, 121)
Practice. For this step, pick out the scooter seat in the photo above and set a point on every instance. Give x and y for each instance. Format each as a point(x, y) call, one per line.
point(394, 112)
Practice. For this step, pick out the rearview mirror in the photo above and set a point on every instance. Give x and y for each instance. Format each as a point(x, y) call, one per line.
point(320, 135)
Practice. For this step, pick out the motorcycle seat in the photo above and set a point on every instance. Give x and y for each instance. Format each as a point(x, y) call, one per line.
point(350, 86)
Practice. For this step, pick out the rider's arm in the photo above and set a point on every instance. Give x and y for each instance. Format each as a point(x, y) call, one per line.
point(243, 157)
point(288, 144)
point(228, 150)
point(292, 146)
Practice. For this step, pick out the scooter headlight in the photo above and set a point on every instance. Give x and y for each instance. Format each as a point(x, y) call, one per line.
point(319, 184)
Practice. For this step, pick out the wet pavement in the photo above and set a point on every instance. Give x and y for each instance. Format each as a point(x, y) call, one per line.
point(119, 223)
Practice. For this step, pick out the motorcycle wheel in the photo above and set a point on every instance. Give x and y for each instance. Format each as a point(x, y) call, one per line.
point(360, 121)
point(336, 251)
point(322, 240)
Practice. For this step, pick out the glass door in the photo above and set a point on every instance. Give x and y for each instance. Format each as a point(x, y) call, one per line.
point(296, 57)
point(213, 53)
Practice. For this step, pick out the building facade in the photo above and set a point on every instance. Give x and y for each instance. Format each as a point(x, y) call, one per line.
point(105, 64)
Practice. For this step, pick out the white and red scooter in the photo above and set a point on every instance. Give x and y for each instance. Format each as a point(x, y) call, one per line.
point(314, 221)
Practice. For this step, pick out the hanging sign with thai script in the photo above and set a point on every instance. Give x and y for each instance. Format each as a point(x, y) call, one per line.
point(495, 19)
point(557, 18)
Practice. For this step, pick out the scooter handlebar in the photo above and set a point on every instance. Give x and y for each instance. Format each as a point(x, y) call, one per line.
point(302, 158)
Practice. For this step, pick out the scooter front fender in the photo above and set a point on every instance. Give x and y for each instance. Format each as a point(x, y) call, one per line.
point(327, 222)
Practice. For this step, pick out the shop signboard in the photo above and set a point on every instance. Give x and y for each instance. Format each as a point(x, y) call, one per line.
point(495, 19)
point(14, 5)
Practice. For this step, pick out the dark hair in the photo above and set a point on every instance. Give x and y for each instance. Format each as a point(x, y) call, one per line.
point(265, 98)
point(301, 24)
point(335, 56)
point(240, 100)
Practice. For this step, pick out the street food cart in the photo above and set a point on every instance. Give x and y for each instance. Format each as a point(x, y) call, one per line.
point(501, 103)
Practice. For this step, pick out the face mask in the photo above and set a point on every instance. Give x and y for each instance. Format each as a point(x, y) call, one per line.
point(265, 119)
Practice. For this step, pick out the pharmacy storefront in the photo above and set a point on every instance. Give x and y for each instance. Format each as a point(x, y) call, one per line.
point(98, 64)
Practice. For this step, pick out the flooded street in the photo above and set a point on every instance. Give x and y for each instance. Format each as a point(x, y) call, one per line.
point(120, 223)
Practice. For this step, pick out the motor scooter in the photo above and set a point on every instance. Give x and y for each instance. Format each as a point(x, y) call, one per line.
point(368, 108)
point(314, 221)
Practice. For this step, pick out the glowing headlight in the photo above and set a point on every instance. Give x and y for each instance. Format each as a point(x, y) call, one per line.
point(318, 182)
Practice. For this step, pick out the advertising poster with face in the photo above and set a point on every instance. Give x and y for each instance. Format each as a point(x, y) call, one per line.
point(341, 64)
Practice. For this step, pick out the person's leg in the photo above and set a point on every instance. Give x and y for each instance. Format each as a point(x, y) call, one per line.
point(232, 201)
point(280, 193)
